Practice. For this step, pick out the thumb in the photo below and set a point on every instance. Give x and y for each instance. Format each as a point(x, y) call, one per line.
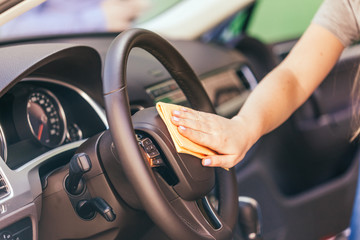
point(225, 161)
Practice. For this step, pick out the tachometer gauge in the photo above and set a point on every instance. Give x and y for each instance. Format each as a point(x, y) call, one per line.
point(46, 118)
point(74, 133)
point(3, 146)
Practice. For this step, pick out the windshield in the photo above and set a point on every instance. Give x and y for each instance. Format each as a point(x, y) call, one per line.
point(85, 16)
point(270, 20)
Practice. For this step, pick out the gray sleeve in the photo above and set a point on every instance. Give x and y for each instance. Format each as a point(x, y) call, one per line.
point(338, 16)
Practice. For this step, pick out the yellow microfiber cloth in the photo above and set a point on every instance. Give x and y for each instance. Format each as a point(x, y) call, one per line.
point(182, 144)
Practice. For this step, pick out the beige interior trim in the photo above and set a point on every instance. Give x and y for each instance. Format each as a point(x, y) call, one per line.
point(18, 9)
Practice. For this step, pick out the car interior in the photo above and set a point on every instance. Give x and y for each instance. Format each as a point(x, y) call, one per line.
point(86, 156)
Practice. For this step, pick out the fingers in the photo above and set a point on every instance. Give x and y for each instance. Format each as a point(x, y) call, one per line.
point(224, 161)
point(188, 114)
point(201, 128)
point(198, 137)
point(191, 119)
point(190, 111)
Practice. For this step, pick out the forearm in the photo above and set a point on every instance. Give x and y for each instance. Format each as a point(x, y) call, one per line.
point(284, 89)
point(276, 97)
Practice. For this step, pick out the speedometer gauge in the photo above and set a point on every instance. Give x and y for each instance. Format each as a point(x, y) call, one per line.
point(46, 118)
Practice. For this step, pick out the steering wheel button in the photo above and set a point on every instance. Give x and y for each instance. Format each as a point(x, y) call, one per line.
point(157, 162)
point(150, 148)
point(146, 142)
point(153, 154)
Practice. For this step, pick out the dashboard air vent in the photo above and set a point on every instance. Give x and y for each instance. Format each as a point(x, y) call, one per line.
point(4, 189)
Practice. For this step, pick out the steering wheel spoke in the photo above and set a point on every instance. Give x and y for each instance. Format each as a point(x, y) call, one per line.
point(201, 218)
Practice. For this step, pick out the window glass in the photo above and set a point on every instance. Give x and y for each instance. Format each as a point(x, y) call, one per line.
point(280, 20)
point(156, 7)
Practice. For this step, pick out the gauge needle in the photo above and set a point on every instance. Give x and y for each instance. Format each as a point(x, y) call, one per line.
point(41, 128)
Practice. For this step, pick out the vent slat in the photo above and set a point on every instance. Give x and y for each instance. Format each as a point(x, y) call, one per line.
point(4, 189)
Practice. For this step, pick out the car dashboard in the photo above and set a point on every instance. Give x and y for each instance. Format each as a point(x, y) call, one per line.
point(51, 102)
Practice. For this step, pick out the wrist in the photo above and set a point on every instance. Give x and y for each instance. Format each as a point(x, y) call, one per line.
point(252, 129)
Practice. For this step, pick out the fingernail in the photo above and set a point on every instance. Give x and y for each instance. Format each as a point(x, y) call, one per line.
point(182, 127)
point(176, 112)
point(175, 119)
point(206, 162)
point(184, 109)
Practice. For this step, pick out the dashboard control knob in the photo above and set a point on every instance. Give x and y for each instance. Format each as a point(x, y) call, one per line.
point(79, 164)
point(86, 209)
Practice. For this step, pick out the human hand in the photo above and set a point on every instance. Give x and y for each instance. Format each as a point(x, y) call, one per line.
point(120, 14)
point(230, 138)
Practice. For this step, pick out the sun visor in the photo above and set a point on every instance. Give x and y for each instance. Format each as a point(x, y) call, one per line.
point(10, 9)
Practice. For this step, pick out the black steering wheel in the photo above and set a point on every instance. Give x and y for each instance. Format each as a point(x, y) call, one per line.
point(179, 208)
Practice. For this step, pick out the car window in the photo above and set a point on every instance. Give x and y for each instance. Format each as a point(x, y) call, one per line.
point(281, 20)
point(270, 21)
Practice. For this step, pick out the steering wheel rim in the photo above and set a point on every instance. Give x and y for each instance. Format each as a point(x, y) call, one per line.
point(122, 132)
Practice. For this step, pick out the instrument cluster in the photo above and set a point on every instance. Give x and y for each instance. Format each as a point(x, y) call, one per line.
point(44, 115)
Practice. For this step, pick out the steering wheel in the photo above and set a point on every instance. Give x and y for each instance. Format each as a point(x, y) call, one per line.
point(180, 208)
